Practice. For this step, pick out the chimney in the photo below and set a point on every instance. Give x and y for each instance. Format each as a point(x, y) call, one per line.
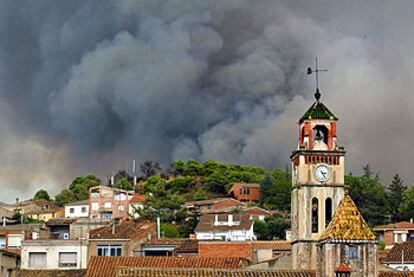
point(230, 219)
point(4, 221)
point(216, 220)
point(113, 227)
point(17, 200)
point(411, 220)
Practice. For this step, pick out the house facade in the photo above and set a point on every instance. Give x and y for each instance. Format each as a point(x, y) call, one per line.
point(108, 203)
point(393, 233)
point(123, 238)
point(226, 227)
point(9, 263)
point(77, 209)
point(214, 205)
point(245, 192)
point(401, 257)
point(54, 254)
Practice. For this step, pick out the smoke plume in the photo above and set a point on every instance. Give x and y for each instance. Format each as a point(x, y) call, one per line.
point(87, 86)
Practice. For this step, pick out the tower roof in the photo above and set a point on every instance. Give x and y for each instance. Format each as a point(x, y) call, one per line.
point(318, 111)
point(347, 224)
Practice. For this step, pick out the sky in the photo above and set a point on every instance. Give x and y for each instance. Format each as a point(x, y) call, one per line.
point(86, 86)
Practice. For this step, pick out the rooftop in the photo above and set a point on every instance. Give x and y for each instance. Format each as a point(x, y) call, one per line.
point(138, 198)
point(395, 254)
point(126, 229)
point(106, 266)
point(347, 224)
point(206, 223)
point(52, 273)
point(182, 244)
point(318, 111)
point(78, 203)
point(396, 226)
point(281, 245)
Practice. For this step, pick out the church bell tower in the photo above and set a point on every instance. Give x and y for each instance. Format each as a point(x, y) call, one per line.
point(317, 181)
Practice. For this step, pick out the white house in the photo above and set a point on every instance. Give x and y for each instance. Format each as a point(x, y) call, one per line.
point(225, 226)
point(54, 254)
point(77, 209)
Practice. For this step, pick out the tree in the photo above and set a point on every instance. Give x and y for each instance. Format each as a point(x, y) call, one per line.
point(177, 167)
point(124, 184)
point(276, 190)
point(369, 195)
point(193, 168)
point(41, 194)
point(66, 196)
point(260, 229)
point(277, 226)
point(180, 184)
point(395, 193)
point(367, 171)
point(217, 182)
point(150, 168)
point(200, 194)
point(406, 208)
point(169, 230)
point(155, 185)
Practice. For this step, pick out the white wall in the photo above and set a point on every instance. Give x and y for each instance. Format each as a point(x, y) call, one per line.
point(400, 267)
point(52, 253)
point(77, 211)
point(234, 235)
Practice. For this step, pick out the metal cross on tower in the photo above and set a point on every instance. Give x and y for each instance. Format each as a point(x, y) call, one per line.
point(310, 71)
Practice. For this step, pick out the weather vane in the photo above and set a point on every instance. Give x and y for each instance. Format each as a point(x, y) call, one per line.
point(310, 71)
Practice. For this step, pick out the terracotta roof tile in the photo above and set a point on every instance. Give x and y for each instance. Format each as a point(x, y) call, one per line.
point(347, 224)
point(182, 272)
point(206, 223)
point(395, 274)
point(138, 198)
point(397, 225)
point(343, 268)
point(395, 254)
point(15, 251)
point(182, 244)
point(60, 221)
point(106, 266)
point(126, 229)
point(282, 245)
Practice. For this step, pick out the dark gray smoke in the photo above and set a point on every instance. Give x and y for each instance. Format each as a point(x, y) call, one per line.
point(86, 86)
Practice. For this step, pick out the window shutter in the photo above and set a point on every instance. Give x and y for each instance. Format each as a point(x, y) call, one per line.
point(68, 259)
point(37, 260)
point(14, 241)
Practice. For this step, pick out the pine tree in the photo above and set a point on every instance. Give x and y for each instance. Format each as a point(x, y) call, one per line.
point(395, 193)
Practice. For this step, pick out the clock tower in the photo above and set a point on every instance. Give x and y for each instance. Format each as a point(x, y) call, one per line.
point(317, 181)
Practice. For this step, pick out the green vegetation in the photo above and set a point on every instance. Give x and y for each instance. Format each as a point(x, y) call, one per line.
point(272, 228)
point(41, 194)
point(78, 190)
point(169, 230)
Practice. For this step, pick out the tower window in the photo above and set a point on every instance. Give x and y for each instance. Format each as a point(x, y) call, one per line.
point(320, 132)
point(328, 211)
point(315, 208)
point(353, 252)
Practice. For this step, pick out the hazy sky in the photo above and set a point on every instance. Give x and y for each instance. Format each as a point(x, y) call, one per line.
point(87, 86)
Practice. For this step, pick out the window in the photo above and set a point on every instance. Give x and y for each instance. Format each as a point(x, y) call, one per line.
point(315, 207)
point(68, 259)
point(353, 252)
point(106, 216)
point(14, 241)
point(107, 205)
point(37, 260)
point(83, 209)
point(109, 250)
point(209, 206)
point(95, 206)
point(72, 210)
point(244, 191)
point(121, 196)
point(328, 211)
point(121, 208)
point(2, 242)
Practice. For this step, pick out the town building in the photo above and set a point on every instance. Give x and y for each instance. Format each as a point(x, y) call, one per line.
point(257, 212)
point(136, 203)
point(81, 228)
point(401, 257)
point(317, 182)
point(46, 214)
point(30, 206)
point(226, 227)
point(9, 263)
point(54, 254)
point(120, 238)
point(77, 209)
point(394, 233)
point(214, 205)
point(170, 247)
point(108, 203)
point(59, 228)
point(245, 192)
point(11, 236)
point(347, 244)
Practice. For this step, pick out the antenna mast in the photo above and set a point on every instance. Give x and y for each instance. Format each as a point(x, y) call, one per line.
point(316, 70)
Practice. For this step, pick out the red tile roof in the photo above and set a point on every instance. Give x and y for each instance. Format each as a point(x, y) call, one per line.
point(343, 268)
point(282, 245)
point(126, 229)
point(397, 225)
point(395, 254)
point(395, 274)
point(183, 272)
point(182, 244)
point(138, 198)
point(52, 273)
point(106, 266)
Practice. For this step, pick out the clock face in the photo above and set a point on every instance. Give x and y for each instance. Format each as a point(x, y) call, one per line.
point(322, 173)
